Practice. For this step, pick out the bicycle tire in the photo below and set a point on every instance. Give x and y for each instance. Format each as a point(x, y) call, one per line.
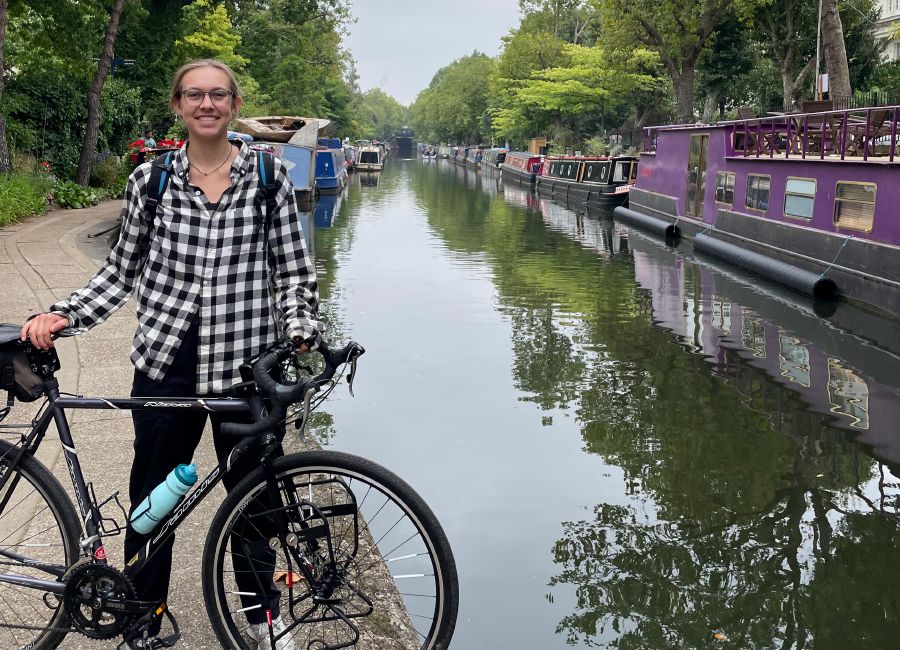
point(398, 539)
point(37, 507)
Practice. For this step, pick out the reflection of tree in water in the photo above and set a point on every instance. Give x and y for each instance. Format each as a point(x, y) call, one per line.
point(746, 515)
point(804, 561)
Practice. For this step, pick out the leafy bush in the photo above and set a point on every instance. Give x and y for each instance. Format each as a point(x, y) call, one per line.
point(46, 112)
point(21, 195)
point(71, 195)
point(105, 173)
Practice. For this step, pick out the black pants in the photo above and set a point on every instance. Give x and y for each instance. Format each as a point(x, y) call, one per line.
point(162, 440)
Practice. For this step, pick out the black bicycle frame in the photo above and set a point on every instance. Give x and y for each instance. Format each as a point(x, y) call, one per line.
point(92, 541)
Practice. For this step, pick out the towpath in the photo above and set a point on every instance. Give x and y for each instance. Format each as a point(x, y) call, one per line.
point(43, 259)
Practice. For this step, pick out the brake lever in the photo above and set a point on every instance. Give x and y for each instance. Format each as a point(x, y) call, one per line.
point(307, 398)
point(352, 374)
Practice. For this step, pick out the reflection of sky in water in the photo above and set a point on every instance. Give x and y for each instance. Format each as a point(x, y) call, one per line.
point(607, 429)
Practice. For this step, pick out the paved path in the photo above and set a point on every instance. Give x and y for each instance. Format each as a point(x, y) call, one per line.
point(43, 259)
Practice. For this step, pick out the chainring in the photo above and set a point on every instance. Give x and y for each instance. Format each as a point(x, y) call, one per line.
point(88, 588)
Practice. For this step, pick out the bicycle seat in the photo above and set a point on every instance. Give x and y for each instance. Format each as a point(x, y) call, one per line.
point(9, 332)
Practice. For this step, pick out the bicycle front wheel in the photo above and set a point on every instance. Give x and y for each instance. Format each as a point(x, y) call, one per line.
point(38, 533)
point(343, 551)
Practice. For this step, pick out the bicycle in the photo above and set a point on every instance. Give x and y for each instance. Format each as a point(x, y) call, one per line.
point(355, 556)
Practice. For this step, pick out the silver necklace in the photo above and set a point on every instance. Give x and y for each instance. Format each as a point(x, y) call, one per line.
point(217, 168)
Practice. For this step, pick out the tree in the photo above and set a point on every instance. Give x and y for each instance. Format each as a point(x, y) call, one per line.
point(92, 128)
point(454, 106)
point(4, 150)
point(567, 20)
point(207, 34)
point(723, 65)
point(678, 30)
point(383, 114)
point(834, 51)
point(590, 79)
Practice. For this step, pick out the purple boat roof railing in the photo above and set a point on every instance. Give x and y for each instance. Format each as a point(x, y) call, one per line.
point(860, 134)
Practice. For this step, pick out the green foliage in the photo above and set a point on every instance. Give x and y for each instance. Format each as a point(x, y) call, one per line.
point(886, 78)
point(46, 111)
point(381, 114)
point(106, 173)
point(68, 194)
point(454, 107)
point(207, 33)
point(22, 194)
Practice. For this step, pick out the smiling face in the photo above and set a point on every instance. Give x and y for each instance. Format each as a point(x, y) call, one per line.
point(208, 119)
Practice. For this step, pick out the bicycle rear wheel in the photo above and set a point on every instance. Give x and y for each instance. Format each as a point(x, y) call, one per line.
point(382, 572)
point(38, 527)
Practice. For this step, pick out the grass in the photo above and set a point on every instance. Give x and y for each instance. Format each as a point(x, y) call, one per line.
point(21, 195)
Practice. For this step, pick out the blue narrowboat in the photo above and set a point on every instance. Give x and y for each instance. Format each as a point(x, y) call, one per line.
point(298, 161)
point(331, 173)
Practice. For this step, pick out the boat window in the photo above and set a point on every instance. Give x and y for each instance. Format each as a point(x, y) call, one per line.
point(634, 170)
point(725, 187)
point(799, 197)
point(620, 174)
point(758, 192)
point(854, 205)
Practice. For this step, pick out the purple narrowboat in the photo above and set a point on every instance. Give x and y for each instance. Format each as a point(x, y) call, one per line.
point(804, 199)
point(600, 181)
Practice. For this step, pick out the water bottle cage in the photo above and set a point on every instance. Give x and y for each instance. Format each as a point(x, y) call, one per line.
point(106, 526)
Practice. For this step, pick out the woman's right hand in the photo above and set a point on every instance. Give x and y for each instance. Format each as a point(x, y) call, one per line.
point(40, 328)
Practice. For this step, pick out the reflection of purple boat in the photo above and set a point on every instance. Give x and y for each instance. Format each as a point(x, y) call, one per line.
point(836, 373)
point(805, 199)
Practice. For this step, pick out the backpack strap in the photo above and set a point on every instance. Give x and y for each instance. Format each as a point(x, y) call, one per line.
point(160, 173)
point(265, 163)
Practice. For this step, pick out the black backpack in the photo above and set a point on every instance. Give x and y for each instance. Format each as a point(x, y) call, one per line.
point(161, 171)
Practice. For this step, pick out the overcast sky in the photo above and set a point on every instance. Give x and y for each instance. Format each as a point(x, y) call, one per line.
point(399, 44)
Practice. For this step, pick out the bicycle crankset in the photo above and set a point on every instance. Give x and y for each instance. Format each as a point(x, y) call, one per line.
point(100, 600)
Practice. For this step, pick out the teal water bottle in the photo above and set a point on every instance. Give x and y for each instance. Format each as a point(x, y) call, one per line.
point(163, 498)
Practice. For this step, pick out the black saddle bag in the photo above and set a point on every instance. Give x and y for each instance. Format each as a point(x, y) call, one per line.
point(23, 368)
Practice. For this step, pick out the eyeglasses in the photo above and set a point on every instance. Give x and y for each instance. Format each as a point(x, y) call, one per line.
point(216, 96)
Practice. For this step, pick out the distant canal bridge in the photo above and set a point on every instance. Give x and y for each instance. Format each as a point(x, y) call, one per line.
point(404, 142)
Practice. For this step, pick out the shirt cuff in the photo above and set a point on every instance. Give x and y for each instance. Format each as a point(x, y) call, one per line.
point(307, 333)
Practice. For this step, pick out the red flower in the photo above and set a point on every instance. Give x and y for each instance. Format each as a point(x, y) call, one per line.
point(45, 164)
point(137, 144)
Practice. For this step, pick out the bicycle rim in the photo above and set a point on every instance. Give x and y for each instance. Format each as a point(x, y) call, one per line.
point(37, 522)
point(393, 585)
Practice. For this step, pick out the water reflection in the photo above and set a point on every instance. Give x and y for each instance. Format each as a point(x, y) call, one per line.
point(669, 448)
point(772, 541)
point(326, 209)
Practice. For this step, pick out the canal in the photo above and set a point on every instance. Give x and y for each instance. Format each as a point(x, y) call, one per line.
point(628, 446)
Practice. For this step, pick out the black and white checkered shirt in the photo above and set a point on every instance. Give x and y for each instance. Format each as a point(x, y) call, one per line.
point(213, 263)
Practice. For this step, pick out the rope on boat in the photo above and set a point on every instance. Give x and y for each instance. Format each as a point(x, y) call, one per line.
point(828, 268)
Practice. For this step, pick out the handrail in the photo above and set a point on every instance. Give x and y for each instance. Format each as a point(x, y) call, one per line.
point(857, 134)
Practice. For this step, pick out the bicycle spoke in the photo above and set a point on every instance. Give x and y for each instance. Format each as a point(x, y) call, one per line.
point(388, 565)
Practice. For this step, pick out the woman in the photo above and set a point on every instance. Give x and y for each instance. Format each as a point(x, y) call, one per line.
point(202, 269)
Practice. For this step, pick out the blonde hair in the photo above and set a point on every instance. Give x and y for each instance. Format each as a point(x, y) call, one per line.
point(175, 90)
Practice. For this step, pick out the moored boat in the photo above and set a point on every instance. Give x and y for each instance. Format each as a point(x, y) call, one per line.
point(805, 199)
point(271, 128)
point(298, 155)
point(600, 181)
point(370, 159)
point(331, 174)
point(473, 157)
point(492, 158)
point(521, 166)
